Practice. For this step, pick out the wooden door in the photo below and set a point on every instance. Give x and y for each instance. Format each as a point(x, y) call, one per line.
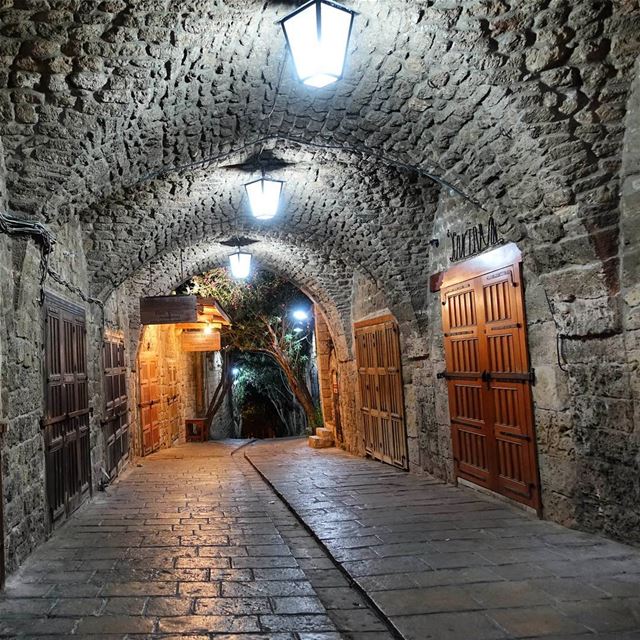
point(489, 380)
point(381, 392)
point(149, 403)
point(66, 420)
point(173, 399)
point(116, 423)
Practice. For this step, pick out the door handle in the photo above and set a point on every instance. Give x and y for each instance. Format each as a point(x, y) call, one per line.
point(485, 376)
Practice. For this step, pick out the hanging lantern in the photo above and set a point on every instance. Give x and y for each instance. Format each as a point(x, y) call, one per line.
point(318, 36)
point(264, 197)
point(240, 264)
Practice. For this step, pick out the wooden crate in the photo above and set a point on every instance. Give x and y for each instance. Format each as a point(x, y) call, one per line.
point(196, 429)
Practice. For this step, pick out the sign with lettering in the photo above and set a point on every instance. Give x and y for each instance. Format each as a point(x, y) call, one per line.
point(201, 341)
point(474, 240)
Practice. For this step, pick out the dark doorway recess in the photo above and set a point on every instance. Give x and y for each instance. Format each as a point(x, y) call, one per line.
point(260, 419)
point(488, 375)
point(66, 420)
point(381, 392)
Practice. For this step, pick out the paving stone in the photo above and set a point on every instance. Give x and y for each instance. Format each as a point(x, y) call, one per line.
point(297, 604)
point(209, 624)
point(535, 621)
point(453, 626)
point(115, 624)
point(234, 606)
point(299, 622)
point(402, 602)
point(131, 606)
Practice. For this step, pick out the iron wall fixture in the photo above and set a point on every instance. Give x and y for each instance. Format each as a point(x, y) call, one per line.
point(317, 35)
point(474, 240)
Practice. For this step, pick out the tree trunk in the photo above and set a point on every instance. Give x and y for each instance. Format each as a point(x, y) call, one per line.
point(298, 387)
point(220, 393)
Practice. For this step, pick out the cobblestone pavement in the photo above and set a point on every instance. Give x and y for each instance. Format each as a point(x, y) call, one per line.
point(194, 544)
point(447, 563)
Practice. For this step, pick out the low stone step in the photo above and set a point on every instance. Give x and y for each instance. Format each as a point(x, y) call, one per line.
point(323, 432)
point(320, 443)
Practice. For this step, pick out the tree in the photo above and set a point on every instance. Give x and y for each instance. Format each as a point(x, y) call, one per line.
point(261, 323)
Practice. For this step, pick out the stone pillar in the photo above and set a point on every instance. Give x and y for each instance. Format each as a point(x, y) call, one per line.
point(324, 345)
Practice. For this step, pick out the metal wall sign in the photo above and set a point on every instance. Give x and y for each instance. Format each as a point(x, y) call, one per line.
point(168, 309)
point(474, 240)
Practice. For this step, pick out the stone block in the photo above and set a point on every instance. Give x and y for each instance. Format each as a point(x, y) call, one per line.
point(550, 390)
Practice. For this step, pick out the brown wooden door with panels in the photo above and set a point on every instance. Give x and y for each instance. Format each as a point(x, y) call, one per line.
point(381, 392)
point(488, 375)
point(66, 419)
point(149, 402)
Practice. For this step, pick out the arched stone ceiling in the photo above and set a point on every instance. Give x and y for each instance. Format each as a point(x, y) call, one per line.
point(520, 105)
point(362, 215)
point(326, 281)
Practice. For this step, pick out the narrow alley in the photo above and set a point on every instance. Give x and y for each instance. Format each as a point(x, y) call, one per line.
point(192, 542)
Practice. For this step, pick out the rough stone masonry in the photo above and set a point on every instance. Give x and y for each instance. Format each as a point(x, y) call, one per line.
point(128, 128)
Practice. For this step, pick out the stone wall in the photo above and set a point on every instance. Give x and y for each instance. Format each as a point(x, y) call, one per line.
point(163, 342)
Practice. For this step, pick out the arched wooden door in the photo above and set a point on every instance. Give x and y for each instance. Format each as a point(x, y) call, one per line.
point(488, 374)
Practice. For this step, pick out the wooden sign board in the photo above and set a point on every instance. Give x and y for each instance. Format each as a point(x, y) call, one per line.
point(168, 309)
point(201, 341)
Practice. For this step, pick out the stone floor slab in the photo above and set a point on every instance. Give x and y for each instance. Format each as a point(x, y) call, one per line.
point(190, 543)
point(447, 563)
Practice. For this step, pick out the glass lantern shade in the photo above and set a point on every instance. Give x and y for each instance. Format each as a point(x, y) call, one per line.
point(240, 264)
point(318, 36)
point(264, 197)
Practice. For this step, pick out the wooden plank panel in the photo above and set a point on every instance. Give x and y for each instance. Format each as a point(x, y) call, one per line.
point(201, 341)
point(168, 309)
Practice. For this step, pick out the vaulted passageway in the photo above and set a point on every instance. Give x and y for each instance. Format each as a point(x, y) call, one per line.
point(127, 132)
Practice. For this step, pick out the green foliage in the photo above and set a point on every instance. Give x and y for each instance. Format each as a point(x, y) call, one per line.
point(260, 313)
point(256, 372)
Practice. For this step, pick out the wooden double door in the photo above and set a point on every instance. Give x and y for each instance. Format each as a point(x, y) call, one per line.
point(66, 419)
point(488, 375)
point(381, 391)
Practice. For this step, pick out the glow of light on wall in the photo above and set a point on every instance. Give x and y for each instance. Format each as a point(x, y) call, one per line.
point(264, 197)
point(240, 264)
point(318, 35)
